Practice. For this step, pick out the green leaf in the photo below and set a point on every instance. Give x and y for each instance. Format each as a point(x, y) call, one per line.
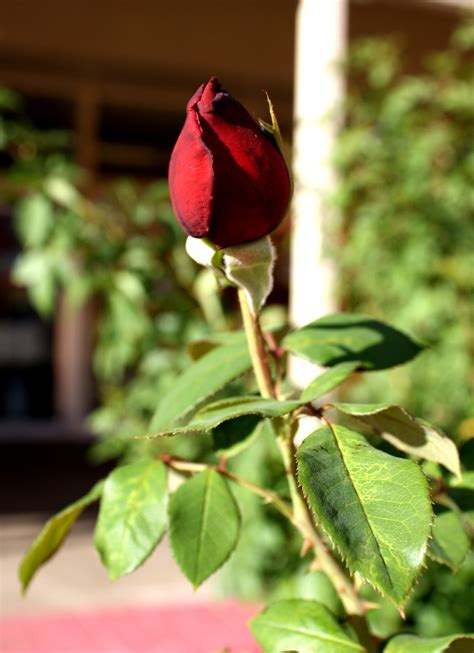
point(465, 482)
point(450, 543)
point(345, 337)
point(232, 437)
point(30, 267)
point(303, 626)
point(198, 348)
point(411, 643)
point(35, 269)
point(34, 219)
point(226, 409)
point(204, 525)
point(328, 380)
point(406, 432)
point(62, 191)
point(202, 379)
point(9, 100)
point(132, 515)
point(53, 534)
point(374, 506)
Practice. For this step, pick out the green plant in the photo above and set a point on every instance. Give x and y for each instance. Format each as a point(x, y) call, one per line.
point(405, 243)
point(351, 492)
point(123, 255)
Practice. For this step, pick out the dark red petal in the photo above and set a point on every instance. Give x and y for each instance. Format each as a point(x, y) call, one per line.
point(251, 183)
point(211, 89)
point(195, 98)
point(191, 178)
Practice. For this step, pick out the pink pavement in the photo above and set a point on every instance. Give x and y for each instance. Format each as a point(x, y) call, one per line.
point(208, 628)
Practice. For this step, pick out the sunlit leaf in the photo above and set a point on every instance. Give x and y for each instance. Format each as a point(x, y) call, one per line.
point(374, 506)
point(412, 644)
point(303, 626)
point(465, 482)
point(407, 433)
point(204, 525)
point(132, 516)
point(53, 534)
point(34, 219)
point(221, 411)
point(328, 380)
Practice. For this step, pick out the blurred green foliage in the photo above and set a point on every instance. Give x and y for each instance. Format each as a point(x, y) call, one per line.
point(405, 244)
point(122, 253)
point(406, 237)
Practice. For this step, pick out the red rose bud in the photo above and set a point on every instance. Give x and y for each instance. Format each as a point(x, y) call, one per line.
point(228, 180)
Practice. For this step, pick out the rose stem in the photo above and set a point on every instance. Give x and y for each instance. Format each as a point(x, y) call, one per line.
point(185, 466)
point(302, 517)
point(257, 349)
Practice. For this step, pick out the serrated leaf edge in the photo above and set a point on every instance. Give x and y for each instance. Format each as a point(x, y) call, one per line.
point(189, 428)
point(352, 572)
point(410, 417)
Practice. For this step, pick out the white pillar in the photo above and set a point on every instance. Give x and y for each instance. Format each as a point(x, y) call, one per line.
point(320, 44)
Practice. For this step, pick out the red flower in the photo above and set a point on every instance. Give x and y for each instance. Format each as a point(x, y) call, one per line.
point(228, 180)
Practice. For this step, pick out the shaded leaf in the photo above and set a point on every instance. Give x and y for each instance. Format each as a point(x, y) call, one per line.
point(53, 534)
point(316, 586)
point(226, 409)
point(303, 626)
point(204, 525)
point(345, 337)
point(328, 380)
point(374, 506)
point(198, 348)
point(450, 543)
point(406, 432)
point(202, 379)
point(411, 643)
point(232, 437)
point(132, 515)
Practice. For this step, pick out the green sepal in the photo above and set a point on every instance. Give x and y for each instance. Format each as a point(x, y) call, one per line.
point(250, 267)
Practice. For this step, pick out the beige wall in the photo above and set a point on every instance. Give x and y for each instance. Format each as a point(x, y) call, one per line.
point(154, 52)
point(177, 44)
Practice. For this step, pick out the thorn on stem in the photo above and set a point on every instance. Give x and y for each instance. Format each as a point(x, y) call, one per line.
point(222, 464)
point(305, 547)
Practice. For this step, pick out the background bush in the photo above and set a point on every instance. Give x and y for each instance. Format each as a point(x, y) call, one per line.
point(406, 238)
